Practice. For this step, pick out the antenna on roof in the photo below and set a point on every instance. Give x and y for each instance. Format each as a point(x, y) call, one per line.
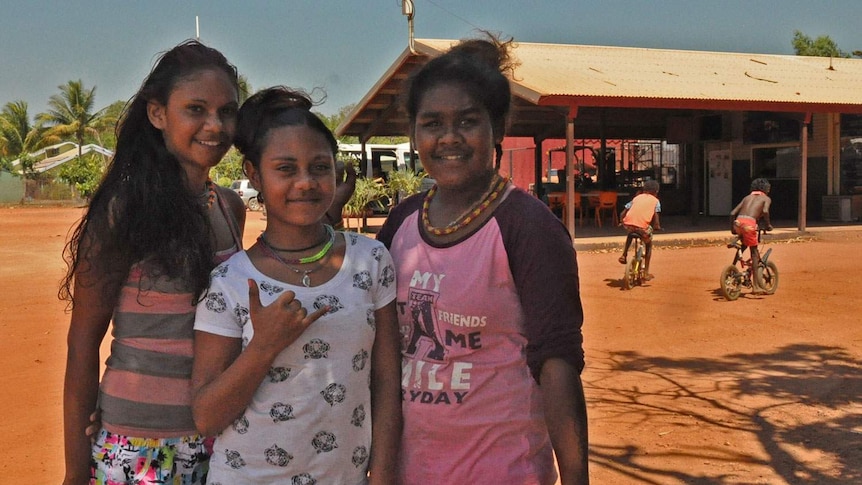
point(197, 29)
point(407, 9)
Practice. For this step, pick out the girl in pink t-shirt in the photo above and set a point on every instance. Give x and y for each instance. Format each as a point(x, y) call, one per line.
point(487, 294)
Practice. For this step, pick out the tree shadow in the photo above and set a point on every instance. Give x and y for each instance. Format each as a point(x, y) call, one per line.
point(801, 404)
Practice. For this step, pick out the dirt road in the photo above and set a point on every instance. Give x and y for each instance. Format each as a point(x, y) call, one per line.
point(683, 387)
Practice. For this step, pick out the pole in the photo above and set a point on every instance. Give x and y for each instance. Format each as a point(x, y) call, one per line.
point(803, 175)
point(197, 29)
point(570, 179)
point(407, 10)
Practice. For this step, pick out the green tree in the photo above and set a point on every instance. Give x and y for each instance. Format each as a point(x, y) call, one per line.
point(244, 88)
point(84, 173)
point(229, 169)
point(333, 121)
point(106, 125)
point(822, 46)
point(17, 135)
point(70, 114)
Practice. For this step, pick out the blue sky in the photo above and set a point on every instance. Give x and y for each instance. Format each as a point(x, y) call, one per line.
point(345, 46)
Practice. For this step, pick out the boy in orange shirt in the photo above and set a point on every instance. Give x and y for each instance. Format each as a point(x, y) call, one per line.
point(640, 217)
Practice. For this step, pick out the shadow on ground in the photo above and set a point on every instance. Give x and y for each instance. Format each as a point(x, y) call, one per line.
point(793, 415)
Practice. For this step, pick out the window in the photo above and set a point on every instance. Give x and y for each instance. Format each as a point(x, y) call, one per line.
point(776, 162)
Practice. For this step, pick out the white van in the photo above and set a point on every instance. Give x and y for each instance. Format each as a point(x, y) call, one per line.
point(381, 159)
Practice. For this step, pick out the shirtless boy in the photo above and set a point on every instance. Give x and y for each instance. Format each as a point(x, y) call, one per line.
point(745, 216)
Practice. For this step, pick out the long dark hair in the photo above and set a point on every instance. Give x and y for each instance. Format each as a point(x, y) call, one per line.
point(477, 65)
point(272, 108)
point(142, 211)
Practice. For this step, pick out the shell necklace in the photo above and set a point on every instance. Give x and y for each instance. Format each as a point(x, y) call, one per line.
point(270, 251)
point(495, 188)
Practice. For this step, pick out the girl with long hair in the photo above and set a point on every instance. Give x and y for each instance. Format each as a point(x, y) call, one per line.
point(140, 258)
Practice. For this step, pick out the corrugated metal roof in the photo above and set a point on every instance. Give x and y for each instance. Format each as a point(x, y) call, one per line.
point(635, 88)
point(626, 72)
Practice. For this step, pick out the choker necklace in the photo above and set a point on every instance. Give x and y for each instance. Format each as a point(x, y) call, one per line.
point(299, 250)
point(306, 280)
point(496, 187)
point(309, 259)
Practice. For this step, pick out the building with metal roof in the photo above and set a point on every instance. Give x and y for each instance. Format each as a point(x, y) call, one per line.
point(737, 103)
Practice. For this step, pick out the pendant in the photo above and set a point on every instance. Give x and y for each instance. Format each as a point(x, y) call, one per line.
point(306, 281)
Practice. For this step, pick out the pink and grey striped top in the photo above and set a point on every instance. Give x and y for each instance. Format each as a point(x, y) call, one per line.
point(146, 389)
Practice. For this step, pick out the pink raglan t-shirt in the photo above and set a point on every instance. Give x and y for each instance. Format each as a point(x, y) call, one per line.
point(472, 410)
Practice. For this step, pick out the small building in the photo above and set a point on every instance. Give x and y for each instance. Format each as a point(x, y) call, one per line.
point(14, 187)
point(716, 120)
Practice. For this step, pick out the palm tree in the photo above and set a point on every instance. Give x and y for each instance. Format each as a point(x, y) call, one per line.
point(70, 113)
point(17, 136)
point(106, 125)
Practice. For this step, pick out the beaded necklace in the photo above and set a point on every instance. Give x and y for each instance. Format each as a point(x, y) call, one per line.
point(210, 193)
point(496, 187)
point(306, 280)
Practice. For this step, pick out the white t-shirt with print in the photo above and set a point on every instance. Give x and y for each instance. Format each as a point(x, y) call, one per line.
point(310, 419)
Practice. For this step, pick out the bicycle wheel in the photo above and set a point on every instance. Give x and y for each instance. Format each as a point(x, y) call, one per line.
point(630, 278)
point(731, 282)
point(767, 277)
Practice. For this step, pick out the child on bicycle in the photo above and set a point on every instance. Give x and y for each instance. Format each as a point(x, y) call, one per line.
point(640, 216)
point(753, 208)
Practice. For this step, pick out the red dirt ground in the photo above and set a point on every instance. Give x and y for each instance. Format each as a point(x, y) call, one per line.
point(682, 386)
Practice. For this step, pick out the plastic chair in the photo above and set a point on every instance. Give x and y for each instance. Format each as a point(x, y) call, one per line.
point(557, 200)
point(606, 201)
point(579, 208)
point(592, 205)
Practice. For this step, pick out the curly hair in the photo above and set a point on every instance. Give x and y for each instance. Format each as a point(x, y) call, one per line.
point(477, 65)
point(761, 184)
point(651, 186)
point(142, 211)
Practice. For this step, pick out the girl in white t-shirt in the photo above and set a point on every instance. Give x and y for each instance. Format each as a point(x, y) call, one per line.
point(297, 336)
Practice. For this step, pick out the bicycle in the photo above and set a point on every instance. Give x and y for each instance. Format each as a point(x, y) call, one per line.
point(739, 274)
point(635, 273)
